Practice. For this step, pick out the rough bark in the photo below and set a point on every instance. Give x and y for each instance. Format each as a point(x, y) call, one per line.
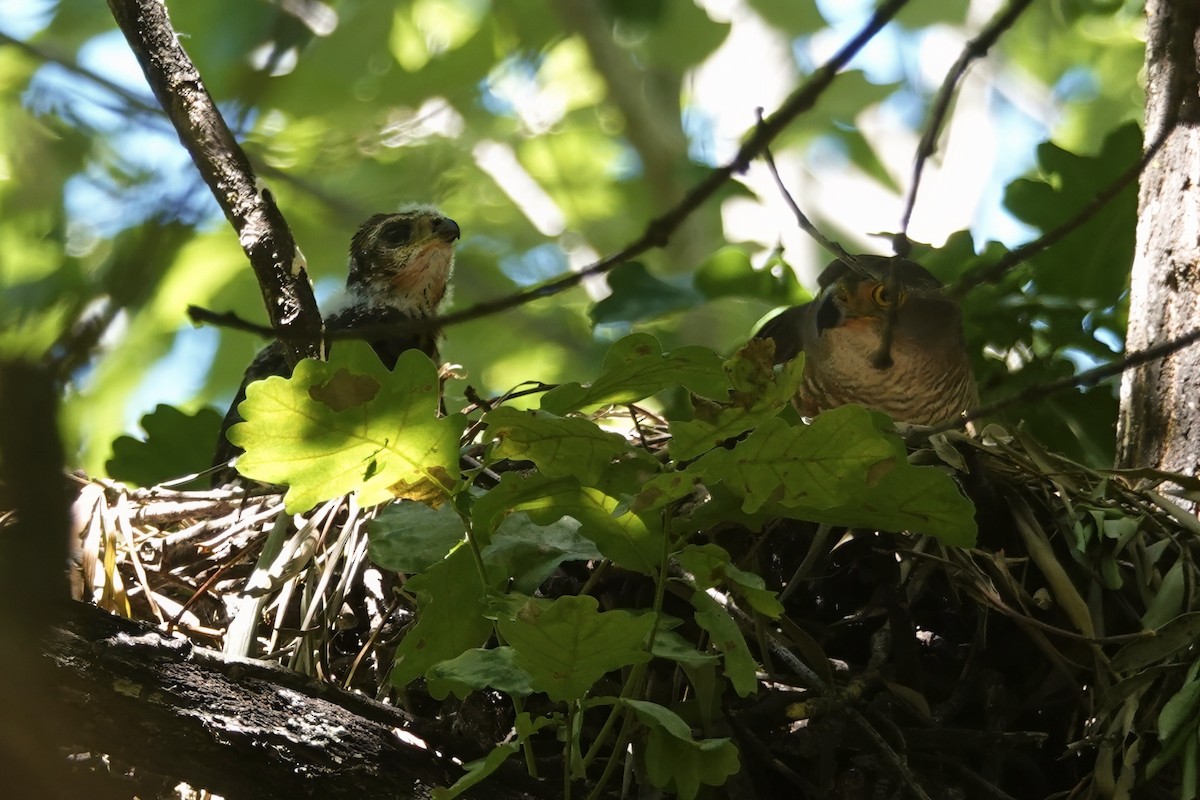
point(249, 207)
point(241, 729)
point(1159, 423)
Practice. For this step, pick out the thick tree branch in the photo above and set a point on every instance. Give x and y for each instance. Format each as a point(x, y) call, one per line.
point(250, 208)
point(241, 729)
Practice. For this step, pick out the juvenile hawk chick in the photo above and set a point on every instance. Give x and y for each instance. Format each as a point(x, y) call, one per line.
point(400, 265)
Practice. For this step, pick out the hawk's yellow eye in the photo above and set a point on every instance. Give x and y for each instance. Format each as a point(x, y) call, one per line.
point(883, 298)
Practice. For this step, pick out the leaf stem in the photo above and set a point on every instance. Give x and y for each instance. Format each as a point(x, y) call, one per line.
point(633, 686)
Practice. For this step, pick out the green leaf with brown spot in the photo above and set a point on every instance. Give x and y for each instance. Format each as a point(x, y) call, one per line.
point(350, 425)
point(569, 645)
point(560, 446)
point(635, 368)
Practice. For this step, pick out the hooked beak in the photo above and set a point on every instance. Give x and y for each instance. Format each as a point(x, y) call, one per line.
point(828, 314)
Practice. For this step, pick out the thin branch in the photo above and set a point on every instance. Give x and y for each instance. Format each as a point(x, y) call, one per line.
point(988, 273)
point(249, 207)
point(227, 319)
point(976, 48)
point(882, 357)
point(1082, 380)
point(802, 219)
point(130, 99)
point(346, 209)
point(659, 230)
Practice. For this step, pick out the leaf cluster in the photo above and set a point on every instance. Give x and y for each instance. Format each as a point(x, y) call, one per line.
point(478, 552)
point(696, 591)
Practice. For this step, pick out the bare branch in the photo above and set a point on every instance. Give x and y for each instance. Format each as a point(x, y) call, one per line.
point(1082, 380)
point(250, 208)
point(975, 49)
point(802, 219)
point(658, 232)
point(988, 273)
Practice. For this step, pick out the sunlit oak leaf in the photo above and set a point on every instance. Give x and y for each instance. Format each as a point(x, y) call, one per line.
point(758, 392)
point(569, 645)
point(560, 446)
point(632, 540)
point(350, 425)
point(635, 368)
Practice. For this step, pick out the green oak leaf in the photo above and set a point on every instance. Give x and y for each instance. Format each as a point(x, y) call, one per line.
point(709, 564)
point(758, 393)
point(636, 295)
point(171, 448)
point(635, 368)
point(844, 469)
point(740, 667)
point(672, 646)
point(481, 768)
point(1102, 248)
point(479, 668)
point(826, 464)
point(450, 621)
point(923, 500)
point(411, 537)
point(478, 770)
point(632, 540)
point(350, 425)
point(529, 553)
point(560, 446)
point(569, 645)
point(729, 273)
point(674, 759)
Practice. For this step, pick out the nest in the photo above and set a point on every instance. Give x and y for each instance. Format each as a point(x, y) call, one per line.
point(1020, 667)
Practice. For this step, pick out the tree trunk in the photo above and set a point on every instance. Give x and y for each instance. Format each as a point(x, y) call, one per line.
point(1159, 423)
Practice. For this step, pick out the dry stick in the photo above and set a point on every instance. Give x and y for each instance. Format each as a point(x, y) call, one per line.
point(657, 232)
point(976, 48)
point(250, 208)
point(1082, 380)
